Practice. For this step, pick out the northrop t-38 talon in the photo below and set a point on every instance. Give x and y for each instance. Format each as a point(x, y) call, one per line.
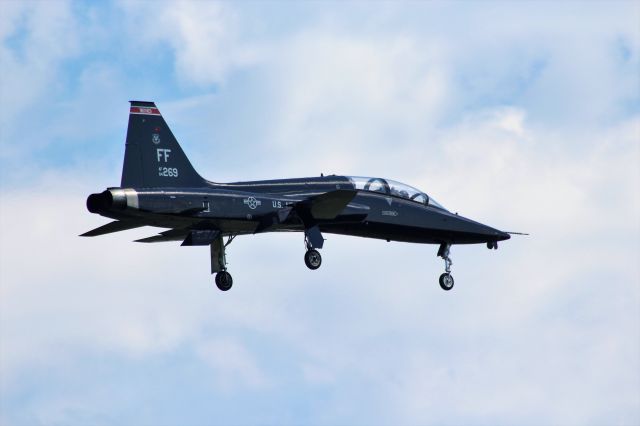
point(160, 188)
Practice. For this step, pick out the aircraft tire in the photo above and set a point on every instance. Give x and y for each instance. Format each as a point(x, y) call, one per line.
point(446, 281)
point(312, 259)
point(224, 281)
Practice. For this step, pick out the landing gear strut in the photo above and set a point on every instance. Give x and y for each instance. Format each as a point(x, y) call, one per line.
point(223, 279)
point(446, 279)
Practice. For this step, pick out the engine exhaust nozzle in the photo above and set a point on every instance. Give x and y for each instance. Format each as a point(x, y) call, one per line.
point(107, 200)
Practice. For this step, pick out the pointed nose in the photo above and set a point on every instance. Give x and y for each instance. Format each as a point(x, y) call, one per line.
point(494, 235)
point(472, 231)
point(503, 236)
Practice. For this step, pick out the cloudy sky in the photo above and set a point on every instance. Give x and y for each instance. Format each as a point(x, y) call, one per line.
point(522, 115)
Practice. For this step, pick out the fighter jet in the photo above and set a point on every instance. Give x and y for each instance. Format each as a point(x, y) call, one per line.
point(160, 188)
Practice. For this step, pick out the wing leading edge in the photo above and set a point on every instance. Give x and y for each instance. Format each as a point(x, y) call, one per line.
point(329, 205)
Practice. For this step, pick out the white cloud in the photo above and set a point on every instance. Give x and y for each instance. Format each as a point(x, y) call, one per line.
point(233, 365)
point(342, 96)
point(539, 331)
point(35, 39)
point(202, 36)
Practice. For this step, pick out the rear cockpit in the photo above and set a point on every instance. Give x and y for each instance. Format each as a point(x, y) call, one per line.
point(396, 189)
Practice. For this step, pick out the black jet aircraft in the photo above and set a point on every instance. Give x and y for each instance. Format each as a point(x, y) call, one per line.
point(159, 187)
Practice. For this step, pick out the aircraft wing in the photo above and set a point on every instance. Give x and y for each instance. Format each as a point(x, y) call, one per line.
point(158, 239)
point(169, 235)
point(110, 227)
point(325, 206)
point(330, 204)
point(189, 237)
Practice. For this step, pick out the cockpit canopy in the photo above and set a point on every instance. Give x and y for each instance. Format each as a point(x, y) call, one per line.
point(397, 189)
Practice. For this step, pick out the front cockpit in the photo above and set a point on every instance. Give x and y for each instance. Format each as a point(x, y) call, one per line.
point(396, 189)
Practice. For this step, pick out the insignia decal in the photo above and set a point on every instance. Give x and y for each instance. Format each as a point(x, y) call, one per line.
point(144, 110)
point(389, 200)
point(155, 138)
point(389, 213)
point(252, 203)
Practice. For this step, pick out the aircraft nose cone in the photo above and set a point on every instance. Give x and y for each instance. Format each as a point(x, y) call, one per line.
point(470, 231)
point(495, 235)
point(503, 236)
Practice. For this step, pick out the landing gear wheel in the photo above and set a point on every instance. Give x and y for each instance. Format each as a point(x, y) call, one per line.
point(224, 280)
point(312, 259)
point(446, 281)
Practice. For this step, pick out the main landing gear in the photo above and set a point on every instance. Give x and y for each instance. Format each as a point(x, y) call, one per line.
point(312, 239)
point(223, 279)
point(312, 259)
point(446, 279)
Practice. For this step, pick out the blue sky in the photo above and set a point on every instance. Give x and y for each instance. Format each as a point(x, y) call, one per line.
point(524, 116)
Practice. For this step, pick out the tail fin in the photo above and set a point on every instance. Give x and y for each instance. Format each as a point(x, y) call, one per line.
point(153, 157)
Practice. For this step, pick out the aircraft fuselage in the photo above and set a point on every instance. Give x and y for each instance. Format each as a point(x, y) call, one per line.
point(246, 207)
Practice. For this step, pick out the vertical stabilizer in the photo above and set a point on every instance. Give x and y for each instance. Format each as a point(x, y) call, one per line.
point(153, 157)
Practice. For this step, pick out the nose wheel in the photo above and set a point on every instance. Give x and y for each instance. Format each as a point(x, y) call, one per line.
point(446, 279)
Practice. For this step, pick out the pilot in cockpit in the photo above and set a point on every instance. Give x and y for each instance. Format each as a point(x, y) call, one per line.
point(399, 193)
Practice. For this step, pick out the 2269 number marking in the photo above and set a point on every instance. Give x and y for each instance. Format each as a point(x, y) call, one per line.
point(168, 171)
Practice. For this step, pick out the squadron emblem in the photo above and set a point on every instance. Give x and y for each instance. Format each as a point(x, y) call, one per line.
point(155, 138)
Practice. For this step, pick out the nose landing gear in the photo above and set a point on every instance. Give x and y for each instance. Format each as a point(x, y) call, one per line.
point(446, 279)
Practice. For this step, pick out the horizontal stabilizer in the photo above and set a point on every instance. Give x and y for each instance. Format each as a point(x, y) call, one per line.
point(331, 204)
point(114, 226)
